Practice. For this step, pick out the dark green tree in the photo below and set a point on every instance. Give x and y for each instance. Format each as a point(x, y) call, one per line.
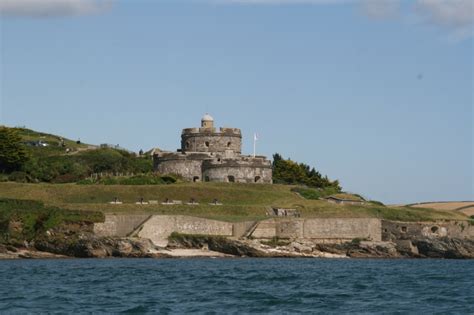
point(13, 154)
point(290, 172)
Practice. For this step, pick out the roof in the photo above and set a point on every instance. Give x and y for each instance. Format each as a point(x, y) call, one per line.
point(207, 117)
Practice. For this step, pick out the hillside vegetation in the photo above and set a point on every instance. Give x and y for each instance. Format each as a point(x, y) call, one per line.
point(240, 202)
point(30, 156)
point(24, 219)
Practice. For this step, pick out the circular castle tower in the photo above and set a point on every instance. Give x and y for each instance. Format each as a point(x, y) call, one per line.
point(208, 139)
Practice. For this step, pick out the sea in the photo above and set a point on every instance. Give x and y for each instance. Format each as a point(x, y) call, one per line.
point(237, 286)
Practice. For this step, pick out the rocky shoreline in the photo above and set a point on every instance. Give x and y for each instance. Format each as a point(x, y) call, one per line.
point(89, 245)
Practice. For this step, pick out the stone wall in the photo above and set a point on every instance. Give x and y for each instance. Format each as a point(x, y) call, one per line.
point(392, 230)
point(159, 227)
point(325, 230)
point(245, 170)
point(119, 225)
point(188, 166)
point(208, 140)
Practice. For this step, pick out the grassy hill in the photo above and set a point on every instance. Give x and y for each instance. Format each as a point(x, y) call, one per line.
point(466, 207)
point(240, 201)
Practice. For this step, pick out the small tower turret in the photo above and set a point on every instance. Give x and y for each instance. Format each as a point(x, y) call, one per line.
point(207, 122)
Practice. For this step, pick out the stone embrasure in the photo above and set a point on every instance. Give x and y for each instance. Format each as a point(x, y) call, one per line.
point(208, 154)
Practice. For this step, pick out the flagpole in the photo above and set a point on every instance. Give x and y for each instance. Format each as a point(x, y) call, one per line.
point(254, 144)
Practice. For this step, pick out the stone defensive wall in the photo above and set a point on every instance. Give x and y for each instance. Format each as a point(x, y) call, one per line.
point(211, 140)
point(324, 230)
point(119, 225)
point(239, 171)
point(244, 170)
point(159, 227)
point(188, 165)
point(393, 230)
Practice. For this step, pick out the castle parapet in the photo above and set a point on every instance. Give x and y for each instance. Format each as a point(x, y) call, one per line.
point(211, 140)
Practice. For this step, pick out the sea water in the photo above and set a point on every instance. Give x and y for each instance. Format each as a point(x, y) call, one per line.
point(237, 286)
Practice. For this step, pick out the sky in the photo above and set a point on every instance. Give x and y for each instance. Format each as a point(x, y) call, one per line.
point(375, 93)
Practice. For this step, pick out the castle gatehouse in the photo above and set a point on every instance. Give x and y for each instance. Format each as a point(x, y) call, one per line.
point(212, 155)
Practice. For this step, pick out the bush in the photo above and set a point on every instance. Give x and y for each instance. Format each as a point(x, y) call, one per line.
point(275, 242)
point(377, 203)
point(133, 180)
point(32, 218)
point(78, 167)
point(315, 193)
point(20, 177)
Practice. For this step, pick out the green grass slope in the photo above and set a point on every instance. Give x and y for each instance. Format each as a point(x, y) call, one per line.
point(240, 201)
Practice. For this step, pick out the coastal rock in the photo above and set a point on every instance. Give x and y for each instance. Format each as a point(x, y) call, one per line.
point(445, 247)
point(96, 247)
point(300, 248)
point(217, 244)
point(367, 249)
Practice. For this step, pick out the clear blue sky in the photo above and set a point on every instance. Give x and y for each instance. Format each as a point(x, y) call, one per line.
point(376, 94)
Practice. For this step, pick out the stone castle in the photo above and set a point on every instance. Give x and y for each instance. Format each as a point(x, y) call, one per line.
point(212, 155)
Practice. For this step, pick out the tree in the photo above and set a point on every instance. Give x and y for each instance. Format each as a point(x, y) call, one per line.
point(290, 172)
point(13, 153)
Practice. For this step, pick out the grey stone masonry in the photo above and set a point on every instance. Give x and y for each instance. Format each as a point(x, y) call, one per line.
point(208, 154)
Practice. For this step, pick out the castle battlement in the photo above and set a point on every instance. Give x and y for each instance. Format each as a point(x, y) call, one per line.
point(212, 131)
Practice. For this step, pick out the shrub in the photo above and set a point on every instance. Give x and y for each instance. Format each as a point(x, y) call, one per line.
point(377, 203)
point(315, 193)
point(33, 218)
point(20, 177)
point(275, 241)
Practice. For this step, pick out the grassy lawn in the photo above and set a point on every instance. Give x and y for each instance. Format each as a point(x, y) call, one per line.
point(240, 201)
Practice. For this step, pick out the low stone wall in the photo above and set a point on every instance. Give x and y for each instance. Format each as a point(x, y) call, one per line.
point(325, 230)
point(119, 225)
point(159, 227)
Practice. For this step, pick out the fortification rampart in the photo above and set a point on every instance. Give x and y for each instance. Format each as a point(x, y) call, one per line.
point(159, 227)
point(239, 171)
point(119, 225)
point(393, 230)
point(186, 165)
point(324, 230)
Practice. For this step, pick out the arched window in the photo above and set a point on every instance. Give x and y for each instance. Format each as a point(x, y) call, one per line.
point(207, 144)
point(195, 178)
point(229, 144)
point(257, 179)
point(231, 179)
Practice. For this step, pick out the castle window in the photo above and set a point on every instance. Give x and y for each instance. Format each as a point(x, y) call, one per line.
point(257, 179)
point(187, 145)
point(229, 144)
point(207, 144)
point(231, 179)
point(195, 178)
